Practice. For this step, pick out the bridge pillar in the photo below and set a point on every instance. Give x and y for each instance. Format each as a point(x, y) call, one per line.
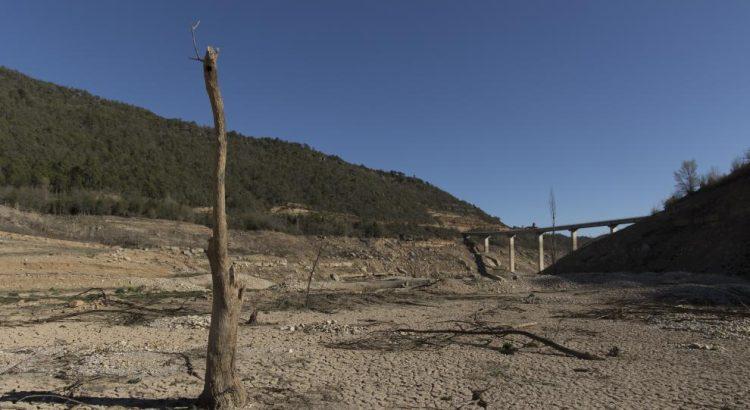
point(541, 251)
point(612, 229)
point(487, 244)
point(574, 239)
point(512, 253)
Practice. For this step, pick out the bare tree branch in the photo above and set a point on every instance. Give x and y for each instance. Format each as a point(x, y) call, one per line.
point(195, 43)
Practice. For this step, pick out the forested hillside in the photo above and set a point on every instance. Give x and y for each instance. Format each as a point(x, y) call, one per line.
point(67, 151)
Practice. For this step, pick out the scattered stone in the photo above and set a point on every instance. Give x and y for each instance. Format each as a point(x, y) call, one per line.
point(76, 303)
point(700, 346)
point(707, 325)
point(335, 277)
point(614, 352)
point(329, 326)
point(180, 322)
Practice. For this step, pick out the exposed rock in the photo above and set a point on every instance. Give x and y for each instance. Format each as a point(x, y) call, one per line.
point(700, 346)
point(329, 326)
point(76, 303)
point(179, 322)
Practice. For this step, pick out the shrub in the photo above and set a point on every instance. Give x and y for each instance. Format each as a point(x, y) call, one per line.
point(88, 202)
point(371, 229)
point(712, 177)
point(670, 202)
point(742, 161)
point(256, 221)
point(321, 224)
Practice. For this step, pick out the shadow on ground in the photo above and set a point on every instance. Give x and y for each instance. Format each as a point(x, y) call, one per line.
point(47, 397)
point(668, 288)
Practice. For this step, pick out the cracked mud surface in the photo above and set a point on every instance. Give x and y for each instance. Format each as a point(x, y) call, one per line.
point(681, 340)
point(670, 354)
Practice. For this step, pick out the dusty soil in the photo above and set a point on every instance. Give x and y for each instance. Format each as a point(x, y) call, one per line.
point(92, 325)
point(137, 349)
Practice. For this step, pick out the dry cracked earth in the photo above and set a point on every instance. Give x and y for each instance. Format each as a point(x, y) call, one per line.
point(78, 328)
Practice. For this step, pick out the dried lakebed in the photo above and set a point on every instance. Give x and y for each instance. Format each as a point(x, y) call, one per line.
point(349, 349)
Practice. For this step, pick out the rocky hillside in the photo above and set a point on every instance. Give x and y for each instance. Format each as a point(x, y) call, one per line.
point(707, 231)
point(71, 143)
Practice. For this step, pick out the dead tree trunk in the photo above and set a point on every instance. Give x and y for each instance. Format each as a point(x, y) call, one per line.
point(222, 388)
point(553, 213)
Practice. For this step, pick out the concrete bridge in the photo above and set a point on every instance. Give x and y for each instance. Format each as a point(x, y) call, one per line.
point(539, 232)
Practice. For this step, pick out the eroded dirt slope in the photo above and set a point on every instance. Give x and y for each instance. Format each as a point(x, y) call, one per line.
point(56, 251)
point(708, 231)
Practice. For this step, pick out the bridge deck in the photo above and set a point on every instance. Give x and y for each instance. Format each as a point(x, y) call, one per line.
point(571, 227)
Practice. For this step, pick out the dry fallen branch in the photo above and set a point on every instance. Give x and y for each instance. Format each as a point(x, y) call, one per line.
point(459, 323)
point(503, 331)
point(425, 285)
point(52, 396)
point(312, 272)
point(134, 309)
point(12, 368)
point(103, 294)
point(189, 365)
point(148, 309)
point(68, 316)
point(107, 300)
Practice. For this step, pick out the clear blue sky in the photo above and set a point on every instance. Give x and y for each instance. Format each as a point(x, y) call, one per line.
point(494, 101)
